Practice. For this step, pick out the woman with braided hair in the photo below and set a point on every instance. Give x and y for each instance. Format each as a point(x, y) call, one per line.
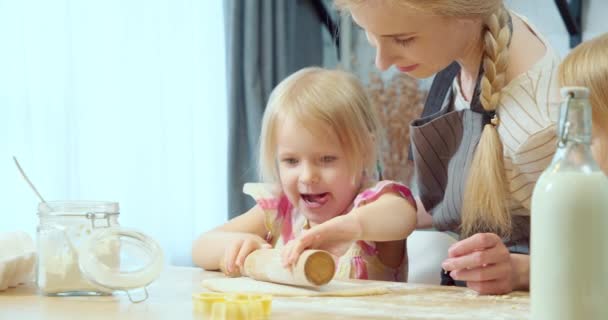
point(485, 135)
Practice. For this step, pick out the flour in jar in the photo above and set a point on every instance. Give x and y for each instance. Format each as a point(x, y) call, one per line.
point(59, 250)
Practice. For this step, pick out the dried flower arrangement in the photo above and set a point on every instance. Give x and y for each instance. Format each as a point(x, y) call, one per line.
point(397, 100)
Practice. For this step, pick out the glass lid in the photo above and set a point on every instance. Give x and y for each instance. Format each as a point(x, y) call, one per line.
point(117, 258)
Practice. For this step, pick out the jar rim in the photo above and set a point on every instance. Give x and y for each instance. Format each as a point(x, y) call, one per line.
point(77, 207)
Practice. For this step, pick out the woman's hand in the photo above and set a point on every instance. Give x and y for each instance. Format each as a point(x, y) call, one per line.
point(331, 236)
point(238, 250)
point(484, 262)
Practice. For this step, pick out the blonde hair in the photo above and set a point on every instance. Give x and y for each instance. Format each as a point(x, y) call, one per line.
point(485, 207)
point(587, 66)
point(449, 8)
point(316, 98)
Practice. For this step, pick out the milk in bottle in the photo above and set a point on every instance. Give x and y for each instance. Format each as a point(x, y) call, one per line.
point(569, 212)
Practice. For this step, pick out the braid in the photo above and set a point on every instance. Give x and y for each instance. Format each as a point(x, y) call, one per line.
point(496, 40)
point(485, 207)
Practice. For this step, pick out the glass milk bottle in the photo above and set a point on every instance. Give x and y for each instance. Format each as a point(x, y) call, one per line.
point(569, 240)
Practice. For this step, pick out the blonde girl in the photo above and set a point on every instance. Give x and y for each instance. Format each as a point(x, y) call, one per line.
point(318, 159)
point(587, 66)
point(487, 130)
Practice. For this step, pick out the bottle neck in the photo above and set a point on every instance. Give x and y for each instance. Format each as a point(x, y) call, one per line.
point(574, 137)
point(574, 123)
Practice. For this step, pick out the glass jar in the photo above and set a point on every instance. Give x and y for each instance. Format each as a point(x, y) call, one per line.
point(82, 250)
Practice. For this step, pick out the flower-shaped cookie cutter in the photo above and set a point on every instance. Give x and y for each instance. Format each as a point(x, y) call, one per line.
point(222, 306)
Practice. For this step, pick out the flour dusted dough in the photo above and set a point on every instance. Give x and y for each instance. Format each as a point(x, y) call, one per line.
point(335, 288)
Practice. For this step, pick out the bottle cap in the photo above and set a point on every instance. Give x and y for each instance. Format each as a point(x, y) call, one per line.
point(574, 92)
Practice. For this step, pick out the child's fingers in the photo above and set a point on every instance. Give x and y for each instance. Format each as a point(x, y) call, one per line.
point(285, 253)
point(231, 254)
point(296, 251)
point(246, 249)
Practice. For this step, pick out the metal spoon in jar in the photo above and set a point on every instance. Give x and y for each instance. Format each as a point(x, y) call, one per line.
point(47, 207)
point(31, 184)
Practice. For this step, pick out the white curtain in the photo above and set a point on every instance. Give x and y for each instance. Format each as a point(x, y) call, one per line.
point(116, 100)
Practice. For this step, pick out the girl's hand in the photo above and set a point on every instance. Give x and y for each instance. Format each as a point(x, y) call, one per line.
point(331, 236)
point(484, 262)
point(238, 250)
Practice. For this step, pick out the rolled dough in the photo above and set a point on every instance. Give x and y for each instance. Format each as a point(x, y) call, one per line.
point(335, 288)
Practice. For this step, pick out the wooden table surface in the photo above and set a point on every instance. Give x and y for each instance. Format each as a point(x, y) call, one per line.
point(170, 298)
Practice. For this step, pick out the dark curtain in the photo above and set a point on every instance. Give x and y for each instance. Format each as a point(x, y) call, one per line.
point(266, 40)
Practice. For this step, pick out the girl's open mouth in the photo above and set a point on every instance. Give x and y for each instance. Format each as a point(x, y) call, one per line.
point(315, 200)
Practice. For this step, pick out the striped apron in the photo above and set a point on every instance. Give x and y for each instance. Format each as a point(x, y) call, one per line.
point(443, 143)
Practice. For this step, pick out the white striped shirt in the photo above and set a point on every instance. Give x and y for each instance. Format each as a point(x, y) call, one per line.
point(528, 112)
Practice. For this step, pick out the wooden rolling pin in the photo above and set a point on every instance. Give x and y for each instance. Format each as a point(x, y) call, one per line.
point(313, 268)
